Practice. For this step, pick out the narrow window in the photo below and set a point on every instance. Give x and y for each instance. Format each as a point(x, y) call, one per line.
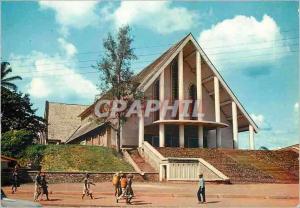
point(192, 96)
point(156, 97)
point(174, 82)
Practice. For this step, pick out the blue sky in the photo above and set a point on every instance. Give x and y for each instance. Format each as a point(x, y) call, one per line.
point(254, 45)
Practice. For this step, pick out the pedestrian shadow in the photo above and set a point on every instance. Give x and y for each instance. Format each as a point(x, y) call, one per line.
point(212, 202)
point(52, 200)
point(99, 197)
point(139, 203)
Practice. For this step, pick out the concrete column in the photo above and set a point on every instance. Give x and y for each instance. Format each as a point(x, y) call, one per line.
point(161, 135)
point(199, 84)
point(219, 137)
point(180, 84)
point(251, 137)
point(181, 135)
point(199, 96)
point(161, 99)
point(141, 129)
point(217, 99)
point(200, 135)
point(234, 126)
point(180, 97)
point(217, 110)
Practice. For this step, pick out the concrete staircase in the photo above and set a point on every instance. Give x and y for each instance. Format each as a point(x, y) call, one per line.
point(140, 162)
point(245, 166)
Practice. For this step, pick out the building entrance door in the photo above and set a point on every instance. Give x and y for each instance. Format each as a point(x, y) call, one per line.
point(191, 136)
point(172, 136)
point(152, 139)
point(205, 138)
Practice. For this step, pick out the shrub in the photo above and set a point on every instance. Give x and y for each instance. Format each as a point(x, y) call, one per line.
point(33, 154)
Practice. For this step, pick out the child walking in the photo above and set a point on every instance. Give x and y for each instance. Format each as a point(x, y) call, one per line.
point(87, 186)
point(129, 191)
point(44, 187)
point(37, 186)
point(15, 181)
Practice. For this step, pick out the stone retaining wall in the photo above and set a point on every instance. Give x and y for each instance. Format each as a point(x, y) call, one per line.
point(27, 176)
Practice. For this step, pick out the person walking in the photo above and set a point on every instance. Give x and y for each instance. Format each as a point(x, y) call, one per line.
point(15, 180)
point(123, 184)
point(44, 186)
point(201, 190)
point(87, 186)
point(116, 184)
point(129, 191)
point(37, 186)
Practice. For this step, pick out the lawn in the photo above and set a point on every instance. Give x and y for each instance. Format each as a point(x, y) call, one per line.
point(82, 158)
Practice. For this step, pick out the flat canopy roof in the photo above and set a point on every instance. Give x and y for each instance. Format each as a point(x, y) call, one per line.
point(207, 124)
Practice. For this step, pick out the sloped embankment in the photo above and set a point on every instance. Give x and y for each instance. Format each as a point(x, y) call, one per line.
point(73, 158)
point(246, 166)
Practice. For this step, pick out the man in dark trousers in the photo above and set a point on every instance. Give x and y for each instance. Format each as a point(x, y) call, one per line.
point(15, 180)
point(201, 190)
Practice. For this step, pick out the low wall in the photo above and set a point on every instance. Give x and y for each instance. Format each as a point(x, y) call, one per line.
point(152, 156)
point(75, 177)
point(188, 169)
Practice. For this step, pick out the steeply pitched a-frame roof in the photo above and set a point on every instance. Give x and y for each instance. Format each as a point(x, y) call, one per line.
point(154, 70)
point(150, 73)
point(62, 119)
point(140, 77)
point(157, 63)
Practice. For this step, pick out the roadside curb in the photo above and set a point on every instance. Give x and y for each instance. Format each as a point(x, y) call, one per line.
point(177, 195)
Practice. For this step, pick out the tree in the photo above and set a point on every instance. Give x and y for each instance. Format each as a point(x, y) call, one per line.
point(6, 82)
point(14, 142)
point(116, 78)
point(263, 148)
point(17, 113)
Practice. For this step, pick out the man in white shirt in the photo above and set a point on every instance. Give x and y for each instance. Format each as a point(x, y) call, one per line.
point(201, 190)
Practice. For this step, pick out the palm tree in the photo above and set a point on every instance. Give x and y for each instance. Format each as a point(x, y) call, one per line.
point(6, 82)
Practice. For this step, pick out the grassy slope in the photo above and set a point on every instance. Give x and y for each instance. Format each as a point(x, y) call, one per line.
point(82, 158)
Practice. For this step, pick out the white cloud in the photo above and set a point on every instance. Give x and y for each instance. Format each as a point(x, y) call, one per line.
point(39, 88)
point(75, 14)
point(159, 16)
point(52, 77)
point(258, 119)
point(296, 107)
point(68, 48)
point(244, 40)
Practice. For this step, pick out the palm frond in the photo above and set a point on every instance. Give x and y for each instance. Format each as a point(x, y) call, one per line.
point(8, 85)
point(13, 78)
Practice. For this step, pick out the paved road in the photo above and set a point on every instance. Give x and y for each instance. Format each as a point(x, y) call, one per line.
point(170, 195)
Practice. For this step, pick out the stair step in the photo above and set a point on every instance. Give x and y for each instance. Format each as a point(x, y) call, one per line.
point(139, 160)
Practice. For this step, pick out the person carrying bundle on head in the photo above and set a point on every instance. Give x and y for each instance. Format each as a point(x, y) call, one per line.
point(116, 184)
point(123, 184)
